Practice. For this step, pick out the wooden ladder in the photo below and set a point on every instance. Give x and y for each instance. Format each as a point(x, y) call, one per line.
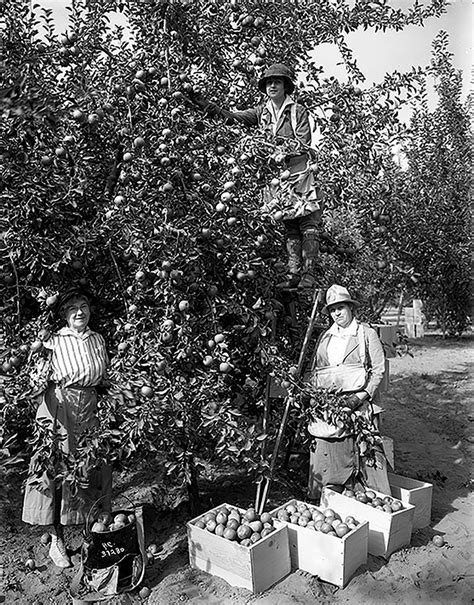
point(264, 482)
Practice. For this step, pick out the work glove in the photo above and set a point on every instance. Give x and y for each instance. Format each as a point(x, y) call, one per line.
point(210, 108)
point(197, 98)
point(351, 402)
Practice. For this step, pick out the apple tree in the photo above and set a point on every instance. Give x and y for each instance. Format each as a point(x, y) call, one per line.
point(434, 224)
point(112, 178)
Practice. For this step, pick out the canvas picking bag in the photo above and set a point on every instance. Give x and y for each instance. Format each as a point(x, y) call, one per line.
point(112, 562)
point(342, 378)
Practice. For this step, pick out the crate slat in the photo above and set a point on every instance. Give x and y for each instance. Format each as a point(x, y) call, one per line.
point(270, 560)
point(417, 493)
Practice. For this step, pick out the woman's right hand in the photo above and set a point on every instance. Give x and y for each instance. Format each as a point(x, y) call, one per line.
point(197, 98)
point(44, 334)
point(212, 109)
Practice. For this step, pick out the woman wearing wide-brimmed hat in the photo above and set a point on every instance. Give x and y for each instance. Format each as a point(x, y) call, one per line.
point(76, 361)
point(348, 360)
point(299, 198)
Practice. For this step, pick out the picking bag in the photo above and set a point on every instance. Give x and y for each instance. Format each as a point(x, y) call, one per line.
point(112, 562)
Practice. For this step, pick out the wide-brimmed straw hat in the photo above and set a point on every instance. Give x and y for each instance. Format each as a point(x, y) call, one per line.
point(338, 294)
point(277, 70)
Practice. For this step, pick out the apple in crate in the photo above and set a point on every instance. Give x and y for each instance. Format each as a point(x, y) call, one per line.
point(245, 527)
point(105, 518)
point(99, 528)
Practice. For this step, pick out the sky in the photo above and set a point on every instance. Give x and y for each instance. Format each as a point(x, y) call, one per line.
point(383, 52)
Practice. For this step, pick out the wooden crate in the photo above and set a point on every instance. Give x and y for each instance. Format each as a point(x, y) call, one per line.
point(414, 330)
point(330, 558)
point(255, 567)
point(414, 320)
point(387, 531)
point(417, 493)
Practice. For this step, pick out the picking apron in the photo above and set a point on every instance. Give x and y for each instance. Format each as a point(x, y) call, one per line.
point(298, 195)
point(341, 378)
point(66, 413)
point(336, 459)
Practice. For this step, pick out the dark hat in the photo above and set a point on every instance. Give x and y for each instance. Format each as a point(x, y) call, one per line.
point(68, 294)
point(277, 70)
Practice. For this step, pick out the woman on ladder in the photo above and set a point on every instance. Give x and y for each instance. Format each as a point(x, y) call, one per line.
point(286, 123)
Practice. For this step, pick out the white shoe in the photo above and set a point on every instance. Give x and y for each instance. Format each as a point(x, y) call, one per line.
point(57, 552)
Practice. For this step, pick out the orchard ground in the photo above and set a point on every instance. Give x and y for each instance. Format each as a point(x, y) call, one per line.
point(426, 413)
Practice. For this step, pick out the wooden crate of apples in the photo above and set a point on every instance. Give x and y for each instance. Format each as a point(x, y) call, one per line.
point(375, 499)
point(247, 527)
point(322, 541)
point(390, 520)
point(242, 547)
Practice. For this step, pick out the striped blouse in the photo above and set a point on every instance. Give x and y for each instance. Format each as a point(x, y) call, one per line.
point(78, 359)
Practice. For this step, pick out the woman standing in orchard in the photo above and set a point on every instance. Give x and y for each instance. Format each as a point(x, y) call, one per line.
point(286, 123)
point(76, 361)
point(349, 362)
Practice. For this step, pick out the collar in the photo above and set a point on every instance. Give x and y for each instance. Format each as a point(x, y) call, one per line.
point(277, 114)
point(67, 331)
point(351, 329)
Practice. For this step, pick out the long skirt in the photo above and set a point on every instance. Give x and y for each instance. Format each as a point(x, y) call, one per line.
point(64, 413)
point(297, 196)
point(333, 462)
point(337, 462)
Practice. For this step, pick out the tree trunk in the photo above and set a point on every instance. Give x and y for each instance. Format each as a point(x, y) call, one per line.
point(192, 484)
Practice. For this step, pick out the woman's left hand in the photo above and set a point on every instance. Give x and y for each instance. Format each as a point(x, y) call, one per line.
point(352, 402)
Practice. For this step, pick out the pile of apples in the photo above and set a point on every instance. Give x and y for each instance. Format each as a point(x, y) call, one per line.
point(385, 503)
point(106, 522)
point(326, 521)
point(246, 527)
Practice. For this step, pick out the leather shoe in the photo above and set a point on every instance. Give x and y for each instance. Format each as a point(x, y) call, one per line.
point(58, 554)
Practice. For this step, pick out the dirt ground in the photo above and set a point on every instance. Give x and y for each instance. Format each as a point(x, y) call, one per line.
point(429, 416)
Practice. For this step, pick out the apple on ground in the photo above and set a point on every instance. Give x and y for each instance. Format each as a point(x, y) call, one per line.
point(438, 541)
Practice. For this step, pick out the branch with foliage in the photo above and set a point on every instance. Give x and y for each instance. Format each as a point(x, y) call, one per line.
point(110, 179)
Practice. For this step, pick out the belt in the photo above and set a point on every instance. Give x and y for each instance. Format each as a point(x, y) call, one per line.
point(73, 386)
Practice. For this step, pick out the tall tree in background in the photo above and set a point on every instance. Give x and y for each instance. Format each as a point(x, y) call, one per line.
point(435, 221)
